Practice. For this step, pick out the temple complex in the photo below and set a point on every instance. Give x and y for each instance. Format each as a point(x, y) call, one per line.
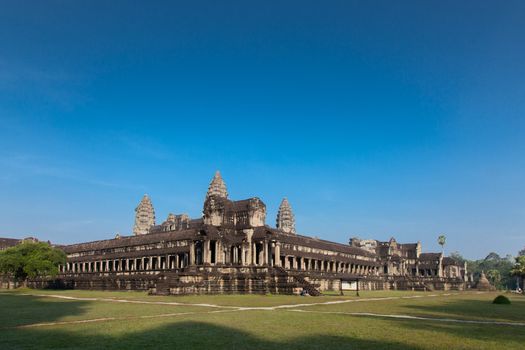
point(231, 249)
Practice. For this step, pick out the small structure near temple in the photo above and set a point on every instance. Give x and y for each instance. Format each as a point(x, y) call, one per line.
point(483, 283)
point(231, 249)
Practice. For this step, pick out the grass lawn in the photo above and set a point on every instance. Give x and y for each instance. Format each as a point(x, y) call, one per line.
point(95, 322)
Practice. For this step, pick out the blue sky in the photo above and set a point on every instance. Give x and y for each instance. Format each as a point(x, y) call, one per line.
point(375, 119)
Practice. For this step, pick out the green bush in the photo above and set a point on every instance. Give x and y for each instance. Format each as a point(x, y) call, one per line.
point(502, 300)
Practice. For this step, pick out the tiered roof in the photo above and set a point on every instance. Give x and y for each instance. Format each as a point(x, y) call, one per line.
point(217, 187)
point(144, 217)
point(285, 218)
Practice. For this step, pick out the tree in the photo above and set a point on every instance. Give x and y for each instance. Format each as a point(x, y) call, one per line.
point(442, 240)
point(31, 259)
point(494, 277)
point(521, 252)
point(518, 269)
point(493, 256)
point(457, 256)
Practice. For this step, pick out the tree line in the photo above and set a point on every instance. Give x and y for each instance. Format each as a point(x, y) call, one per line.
point(30, 259)
point(506, 272)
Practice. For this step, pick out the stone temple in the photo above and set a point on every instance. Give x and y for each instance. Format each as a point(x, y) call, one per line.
point(231, 249)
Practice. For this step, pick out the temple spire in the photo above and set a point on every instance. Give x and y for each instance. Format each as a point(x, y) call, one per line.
point(217, 187)
point(285, 217)
point(144, 216)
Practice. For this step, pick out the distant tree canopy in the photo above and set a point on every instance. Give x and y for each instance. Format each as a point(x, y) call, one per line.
point(497, 269)
point(457, 256)
point(31, 259)
point(519, 267)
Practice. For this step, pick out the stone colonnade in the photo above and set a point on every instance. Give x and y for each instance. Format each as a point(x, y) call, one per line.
point(215, 252)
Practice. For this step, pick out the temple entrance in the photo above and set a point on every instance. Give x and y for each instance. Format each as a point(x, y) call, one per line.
point(259, 259)
point(213, 252)
point(199, 256)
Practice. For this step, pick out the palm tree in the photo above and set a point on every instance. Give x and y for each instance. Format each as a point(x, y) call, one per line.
point(442, 240)
point(519, 268)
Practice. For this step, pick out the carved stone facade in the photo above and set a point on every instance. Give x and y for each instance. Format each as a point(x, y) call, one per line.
point(144, 216)
point(231, 250)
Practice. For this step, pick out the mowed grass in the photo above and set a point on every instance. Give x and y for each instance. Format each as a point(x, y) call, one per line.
point(117, 325)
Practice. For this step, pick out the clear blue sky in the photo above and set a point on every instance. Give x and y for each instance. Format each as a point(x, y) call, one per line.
point(375, 118)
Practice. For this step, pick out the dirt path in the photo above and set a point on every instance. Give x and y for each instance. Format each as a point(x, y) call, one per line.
point(408, 317)
point(285, 306)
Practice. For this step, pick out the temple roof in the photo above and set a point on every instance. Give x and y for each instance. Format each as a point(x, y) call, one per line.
point(8, 242)
point(451, 261)
point(429, 256)
point(262, 232)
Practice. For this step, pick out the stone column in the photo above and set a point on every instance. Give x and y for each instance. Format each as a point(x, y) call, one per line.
point(218, 252)
point(206, 251)
point(249, 247)
point(192, 253)
point(243, 257)
point(277, 253)
point(265, 253)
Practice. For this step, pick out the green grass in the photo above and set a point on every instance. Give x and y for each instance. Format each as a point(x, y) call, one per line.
point(204, 327)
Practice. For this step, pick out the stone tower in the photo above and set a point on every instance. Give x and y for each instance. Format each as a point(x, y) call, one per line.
point(217, 187)
point(144, 216)
point(285, 217)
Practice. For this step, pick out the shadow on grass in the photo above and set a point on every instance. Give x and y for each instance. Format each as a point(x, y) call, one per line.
point(183, 335)
point(24, 310)
point(178, 334)
point(20, 310)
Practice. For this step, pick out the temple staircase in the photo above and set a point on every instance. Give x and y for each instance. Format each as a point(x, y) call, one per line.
point(418, 285)
point(300, 280)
